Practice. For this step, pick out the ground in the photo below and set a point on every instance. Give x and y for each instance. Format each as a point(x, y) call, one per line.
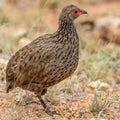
point(92, 92)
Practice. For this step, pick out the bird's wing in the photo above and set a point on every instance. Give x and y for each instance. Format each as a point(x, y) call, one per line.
point(30, 61)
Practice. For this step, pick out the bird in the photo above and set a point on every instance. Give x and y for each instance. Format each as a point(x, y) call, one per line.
point(47, 60)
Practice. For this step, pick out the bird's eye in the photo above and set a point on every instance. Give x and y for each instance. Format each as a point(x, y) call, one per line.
point(76, 12)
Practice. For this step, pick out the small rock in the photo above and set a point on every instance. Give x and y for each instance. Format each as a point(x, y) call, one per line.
point(108, 28)
point(21, 98)
point(2, 2)
point(92, 119)
point(99, 85)
point(3, 61)
point(23, 42)
point(19, 32)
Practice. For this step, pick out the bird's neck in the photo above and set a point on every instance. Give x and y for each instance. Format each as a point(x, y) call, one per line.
point(66, 33)
point(66, 27)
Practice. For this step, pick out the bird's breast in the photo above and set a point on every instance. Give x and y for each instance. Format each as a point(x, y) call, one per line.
point(64, 63)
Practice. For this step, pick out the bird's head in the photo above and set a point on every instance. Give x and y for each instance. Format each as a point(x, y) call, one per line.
point(71, 12)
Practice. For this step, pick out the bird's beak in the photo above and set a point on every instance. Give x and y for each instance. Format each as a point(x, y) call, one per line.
point(84, 12)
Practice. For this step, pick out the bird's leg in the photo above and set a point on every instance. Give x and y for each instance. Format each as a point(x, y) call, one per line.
point(47, 110)
point(43, 92)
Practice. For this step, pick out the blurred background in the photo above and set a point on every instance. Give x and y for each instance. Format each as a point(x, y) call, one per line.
point(21, 21)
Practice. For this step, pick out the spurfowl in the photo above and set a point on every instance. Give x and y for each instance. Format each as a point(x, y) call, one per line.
point(48, 59)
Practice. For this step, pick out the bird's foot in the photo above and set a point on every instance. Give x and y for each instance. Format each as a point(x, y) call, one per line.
point(47, 110)
point(50, 112)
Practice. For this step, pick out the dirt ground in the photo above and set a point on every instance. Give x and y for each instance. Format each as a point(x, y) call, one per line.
point(72, 106)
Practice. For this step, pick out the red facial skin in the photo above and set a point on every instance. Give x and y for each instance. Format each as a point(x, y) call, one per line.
point(76, 12)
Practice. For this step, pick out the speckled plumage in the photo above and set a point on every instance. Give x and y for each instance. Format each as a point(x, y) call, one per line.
point(48, 59)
